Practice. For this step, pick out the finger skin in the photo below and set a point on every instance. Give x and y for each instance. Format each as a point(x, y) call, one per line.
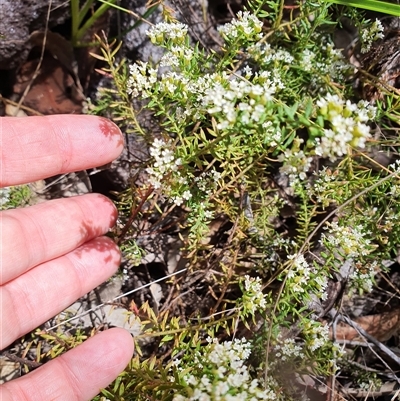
point(79, 374)
point(45, 237)
point(35, 234)
point(49, 288)
point(37, 147)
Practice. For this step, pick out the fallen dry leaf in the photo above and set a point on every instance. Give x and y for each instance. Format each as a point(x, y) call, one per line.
point(56, 88)
point(381, 326)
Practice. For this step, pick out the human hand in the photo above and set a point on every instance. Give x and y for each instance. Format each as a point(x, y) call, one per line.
point(53, 253)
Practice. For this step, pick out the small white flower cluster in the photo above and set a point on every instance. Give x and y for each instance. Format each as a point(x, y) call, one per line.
point(172, 83)
point(167, 31)
point(193, 89)
point(368, 36)
point(317, 335)
point(302, 276)
point(295, 164)
point(272, 134)
point(321, 63)
point(144, 82)
point(333, 65)
point(362, 277)
point(176, 54)
point(246, 24)
point(395, 191)
point(208, 181)
point(350, 241)
point(391, 220)
point(169, 59)
point(347, 125)
point(166, 163)
point(4, 196)
point(253, 299)
point(323, 188)
point(265, 55)
point(180, 199)
point(395, 188)
point(199, 219)
point(141, 79)
point(225, 376)
point(395, 167)
point(288, 349)
point(240, 101)
point(307, 60)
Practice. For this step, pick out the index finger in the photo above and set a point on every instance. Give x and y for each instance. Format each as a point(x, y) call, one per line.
point(38, 147)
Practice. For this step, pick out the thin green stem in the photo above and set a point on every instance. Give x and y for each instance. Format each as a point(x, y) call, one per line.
point(75, 19)
point(280, 15)
point(96, 15)
point(84, 11)
point(185, 328)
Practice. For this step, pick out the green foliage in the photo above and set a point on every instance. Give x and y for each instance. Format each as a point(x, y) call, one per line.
point(83, 18)
point(80, 20)
point(13, 197)
point(268, 135)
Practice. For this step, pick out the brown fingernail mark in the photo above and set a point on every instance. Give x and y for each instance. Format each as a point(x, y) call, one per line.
point(109, 130)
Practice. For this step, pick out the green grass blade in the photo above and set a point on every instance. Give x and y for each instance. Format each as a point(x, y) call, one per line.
point(373, 5)
point(84, 10)
point(74, 19)
point(97, 14)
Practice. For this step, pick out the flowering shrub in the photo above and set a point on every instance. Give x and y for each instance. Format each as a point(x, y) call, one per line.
point(222, 374)
point(268, 136)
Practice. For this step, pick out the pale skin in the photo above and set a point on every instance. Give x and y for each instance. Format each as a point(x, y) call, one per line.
point(55, 252)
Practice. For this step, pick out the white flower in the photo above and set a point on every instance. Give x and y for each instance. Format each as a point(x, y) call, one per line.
point(248, 72)
point(253, 297)
point(169, 59)
point(175, 31)
point(318, 336)
point(165, 163)
point(351, 241)
point(370, 35)
point(208, 214)
point(233, 382)
point(246, 24)
point(347, 126)
point(141, 79)
point(288, 349)
point(295, 164)
point(178, 200)
point(187, 195)
point(307, 59)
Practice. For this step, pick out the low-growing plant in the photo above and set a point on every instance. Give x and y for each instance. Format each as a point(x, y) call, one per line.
point(270, 136)
point(13, 197)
